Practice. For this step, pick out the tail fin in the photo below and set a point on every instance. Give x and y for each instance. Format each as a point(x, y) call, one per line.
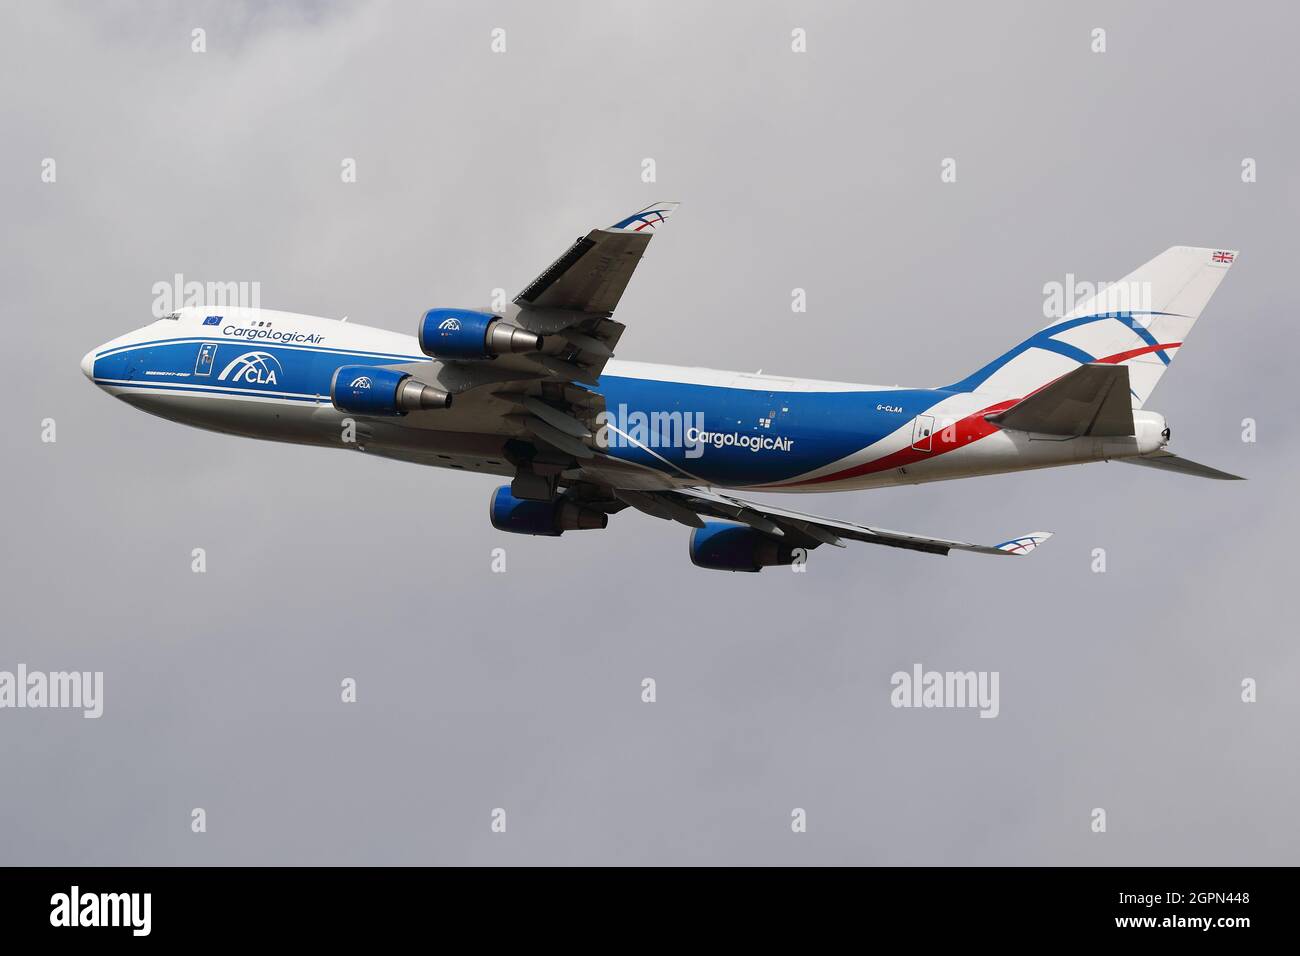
point(1140, 321)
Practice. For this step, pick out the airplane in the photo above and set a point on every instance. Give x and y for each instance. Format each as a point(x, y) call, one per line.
point(533, 392)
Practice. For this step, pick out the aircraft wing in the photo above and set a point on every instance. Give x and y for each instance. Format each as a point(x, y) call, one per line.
point(546, 400)
point(590, 277)
point(802, 530)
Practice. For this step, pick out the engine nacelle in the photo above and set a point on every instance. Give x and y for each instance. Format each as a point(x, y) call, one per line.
point(461, 334)
point(1151, 431)
point(551, 518)
point(372, 390)
point(722, 546)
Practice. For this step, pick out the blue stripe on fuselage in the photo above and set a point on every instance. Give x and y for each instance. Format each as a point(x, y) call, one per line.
point(807, 430)
point(803, 430)
point(174, 363)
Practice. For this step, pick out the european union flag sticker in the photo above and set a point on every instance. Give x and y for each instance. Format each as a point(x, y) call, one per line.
point(212, 320)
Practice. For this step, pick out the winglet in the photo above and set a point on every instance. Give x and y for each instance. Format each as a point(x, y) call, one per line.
point(647, 219)
point(1025, 543)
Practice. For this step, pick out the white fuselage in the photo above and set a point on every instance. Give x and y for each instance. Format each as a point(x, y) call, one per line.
point(266, 374)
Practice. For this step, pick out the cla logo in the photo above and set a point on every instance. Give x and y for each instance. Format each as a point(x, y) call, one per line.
point(254, 368)
point(360, 382)
point(449, 325)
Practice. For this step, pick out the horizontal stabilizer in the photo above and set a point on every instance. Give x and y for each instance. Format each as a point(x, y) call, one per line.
point(1091, 400)
point(1167, 461)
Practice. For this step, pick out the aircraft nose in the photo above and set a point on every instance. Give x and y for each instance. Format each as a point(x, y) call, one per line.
point(88, 365)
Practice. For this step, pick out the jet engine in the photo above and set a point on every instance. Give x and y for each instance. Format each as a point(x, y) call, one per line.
point(722, 546)
point(551, 518)
point(372, 390)
point(461, 334)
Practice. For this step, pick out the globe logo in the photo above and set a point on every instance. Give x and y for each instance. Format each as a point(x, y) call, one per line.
point(253, 368)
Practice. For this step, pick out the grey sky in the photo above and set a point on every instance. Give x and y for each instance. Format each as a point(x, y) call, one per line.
point(479, 690)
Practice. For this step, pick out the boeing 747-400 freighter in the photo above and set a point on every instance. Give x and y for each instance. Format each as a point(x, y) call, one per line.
point(535, 395)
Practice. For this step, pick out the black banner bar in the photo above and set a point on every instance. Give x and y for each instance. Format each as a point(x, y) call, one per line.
point(371, 904)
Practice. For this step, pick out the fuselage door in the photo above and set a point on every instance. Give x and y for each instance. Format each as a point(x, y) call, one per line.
point(922, 432)
point(207, 353)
